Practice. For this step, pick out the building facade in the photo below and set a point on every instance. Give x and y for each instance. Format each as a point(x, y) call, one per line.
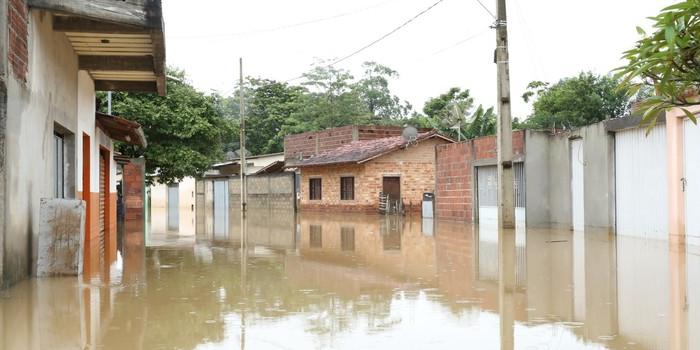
point(352, 177)
point(55, 56)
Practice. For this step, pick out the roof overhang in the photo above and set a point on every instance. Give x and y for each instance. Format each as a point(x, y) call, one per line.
point(121, 129)
point(120, 43)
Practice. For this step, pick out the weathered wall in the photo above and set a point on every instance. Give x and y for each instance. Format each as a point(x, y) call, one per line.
point(548, 169)
point(455, 198)
point(3, 124)
point(415, 166)
point(314, 142)
point(273, 191)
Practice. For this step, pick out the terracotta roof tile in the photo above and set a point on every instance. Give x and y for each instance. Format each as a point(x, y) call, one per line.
point(364, 150)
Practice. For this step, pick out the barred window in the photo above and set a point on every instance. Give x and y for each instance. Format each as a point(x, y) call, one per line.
point(347, 188)
point(315, 189)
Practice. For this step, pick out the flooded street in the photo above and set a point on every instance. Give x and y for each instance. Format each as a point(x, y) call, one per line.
point(354, 281)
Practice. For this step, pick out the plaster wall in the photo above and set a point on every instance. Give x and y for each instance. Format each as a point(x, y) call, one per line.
point(56, 96)
point(3, 121)
point(186, 190)
point(548, 171)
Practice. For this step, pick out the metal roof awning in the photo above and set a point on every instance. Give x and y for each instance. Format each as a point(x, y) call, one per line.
point(120, 43)
point(121, 129)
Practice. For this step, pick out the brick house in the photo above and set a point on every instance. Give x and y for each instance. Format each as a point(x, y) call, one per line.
point(54, 56)
point(351, 177)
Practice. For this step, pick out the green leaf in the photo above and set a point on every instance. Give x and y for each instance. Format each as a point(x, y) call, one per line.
point(690, 116)
point(641, 31)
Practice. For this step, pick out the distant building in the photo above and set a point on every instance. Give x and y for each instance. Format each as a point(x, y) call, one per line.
point(351, 176)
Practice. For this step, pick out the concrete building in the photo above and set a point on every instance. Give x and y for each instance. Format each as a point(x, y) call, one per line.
point(352, 176)
point(52, 142)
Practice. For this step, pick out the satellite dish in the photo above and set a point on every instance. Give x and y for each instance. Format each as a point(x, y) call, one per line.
point(409, 133)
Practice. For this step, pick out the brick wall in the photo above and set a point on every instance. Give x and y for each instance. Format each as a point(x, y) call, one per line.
point(314, 142)
point(133, 187)
point(414, 165)
point(454, 190)
point(18, 32)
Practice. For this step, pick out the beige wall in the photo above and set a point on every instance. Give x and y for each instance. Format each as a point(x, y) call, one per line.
point(55, 92)
point(159, 194)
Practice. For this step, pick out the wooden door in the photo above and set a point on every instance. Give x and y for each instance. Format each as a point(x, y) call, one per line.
point(392, 188)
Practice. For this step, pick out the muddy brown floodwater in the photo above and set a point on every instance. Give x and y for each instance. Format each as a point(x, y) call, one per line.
point(353, 281)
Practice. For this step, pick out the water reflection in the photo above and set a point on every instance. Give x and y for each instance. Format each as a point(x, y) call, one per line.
point(352, 281)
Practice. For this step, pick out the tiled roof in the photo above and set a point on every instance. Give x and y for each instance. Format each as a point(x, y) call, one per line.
point(362, 151)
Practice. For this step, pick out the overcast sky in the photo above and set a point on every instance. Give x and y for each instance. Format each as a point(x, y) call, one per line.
point(451, 45)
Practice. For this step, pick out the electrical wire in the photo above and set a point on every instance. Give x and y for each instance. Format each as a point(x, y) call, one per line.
point(404, 24)
point(486, 9)
point(469, 38)
point(286, 26)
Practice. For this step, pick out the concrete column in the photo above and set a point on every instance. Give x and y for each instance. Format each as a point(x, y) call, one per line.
point(676, 197)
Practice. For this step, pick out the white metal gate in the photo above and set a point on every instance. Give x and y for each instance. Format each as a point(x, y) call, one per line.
point(641, 193)
point(221, 209)
point(173, 207)
point(577, 163)
point(692, 180)
point(487, 192)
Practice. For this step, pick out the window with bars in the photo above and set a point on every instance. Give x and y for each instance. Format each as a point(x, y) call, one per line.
point(315, 189)
point(347, 188)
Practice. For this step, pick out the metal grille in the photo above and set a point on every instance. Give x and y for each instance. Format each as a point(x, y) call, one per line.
point(487, 182)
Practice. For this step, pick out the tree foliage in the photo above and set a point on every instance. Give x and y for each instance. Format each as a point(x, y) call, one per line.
point(573, 102)
point(667, 59)
point(185, 131)
point(453, 114)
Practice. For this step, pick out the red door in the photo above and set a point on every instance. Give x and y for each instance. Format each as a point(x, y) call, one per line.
point(392, 188)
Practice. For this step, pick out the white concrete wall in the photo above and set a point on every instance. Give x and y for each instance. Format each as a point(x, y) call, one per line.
point(641, 191)
point(55, 92)
point(159, 194)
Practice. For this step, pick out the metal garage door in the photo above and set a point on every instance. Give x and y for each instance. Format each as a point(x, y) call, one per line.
point(220, 209)
point(692, 178)
point(640, 183)
point(577, 160)
point(173, 207)
point(487, 192)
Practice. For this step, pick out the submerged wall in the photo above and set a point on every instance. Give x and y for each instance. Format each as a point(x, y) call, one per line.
point(548, 171)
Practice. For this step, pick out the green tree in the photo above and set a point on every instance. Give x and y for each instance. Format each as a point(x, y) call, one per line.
point(667, 60)
point(577, 101)
point(453, 114)
point(185, 131)
point(272, 109)
point(331, 101)
point(374, 91)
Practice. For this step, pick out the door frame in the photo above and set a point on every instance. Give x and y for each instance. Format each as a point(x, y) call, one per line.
point(571, 180)
point(105, 155)
point(86, 185)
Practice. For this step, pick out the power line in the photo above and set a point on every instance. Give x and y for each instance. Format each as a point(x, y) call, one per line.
point(471, 37)
point(486, 9)
point(287, 26)
point(379, 39)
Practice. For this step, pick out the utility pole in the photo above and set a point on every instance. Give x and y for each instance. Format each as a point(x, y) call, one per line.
point(244, 187)
point(506, 210)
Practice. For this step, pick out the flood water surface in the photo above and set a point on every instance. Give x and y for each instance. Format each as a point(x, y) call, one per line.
point(351, 281)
